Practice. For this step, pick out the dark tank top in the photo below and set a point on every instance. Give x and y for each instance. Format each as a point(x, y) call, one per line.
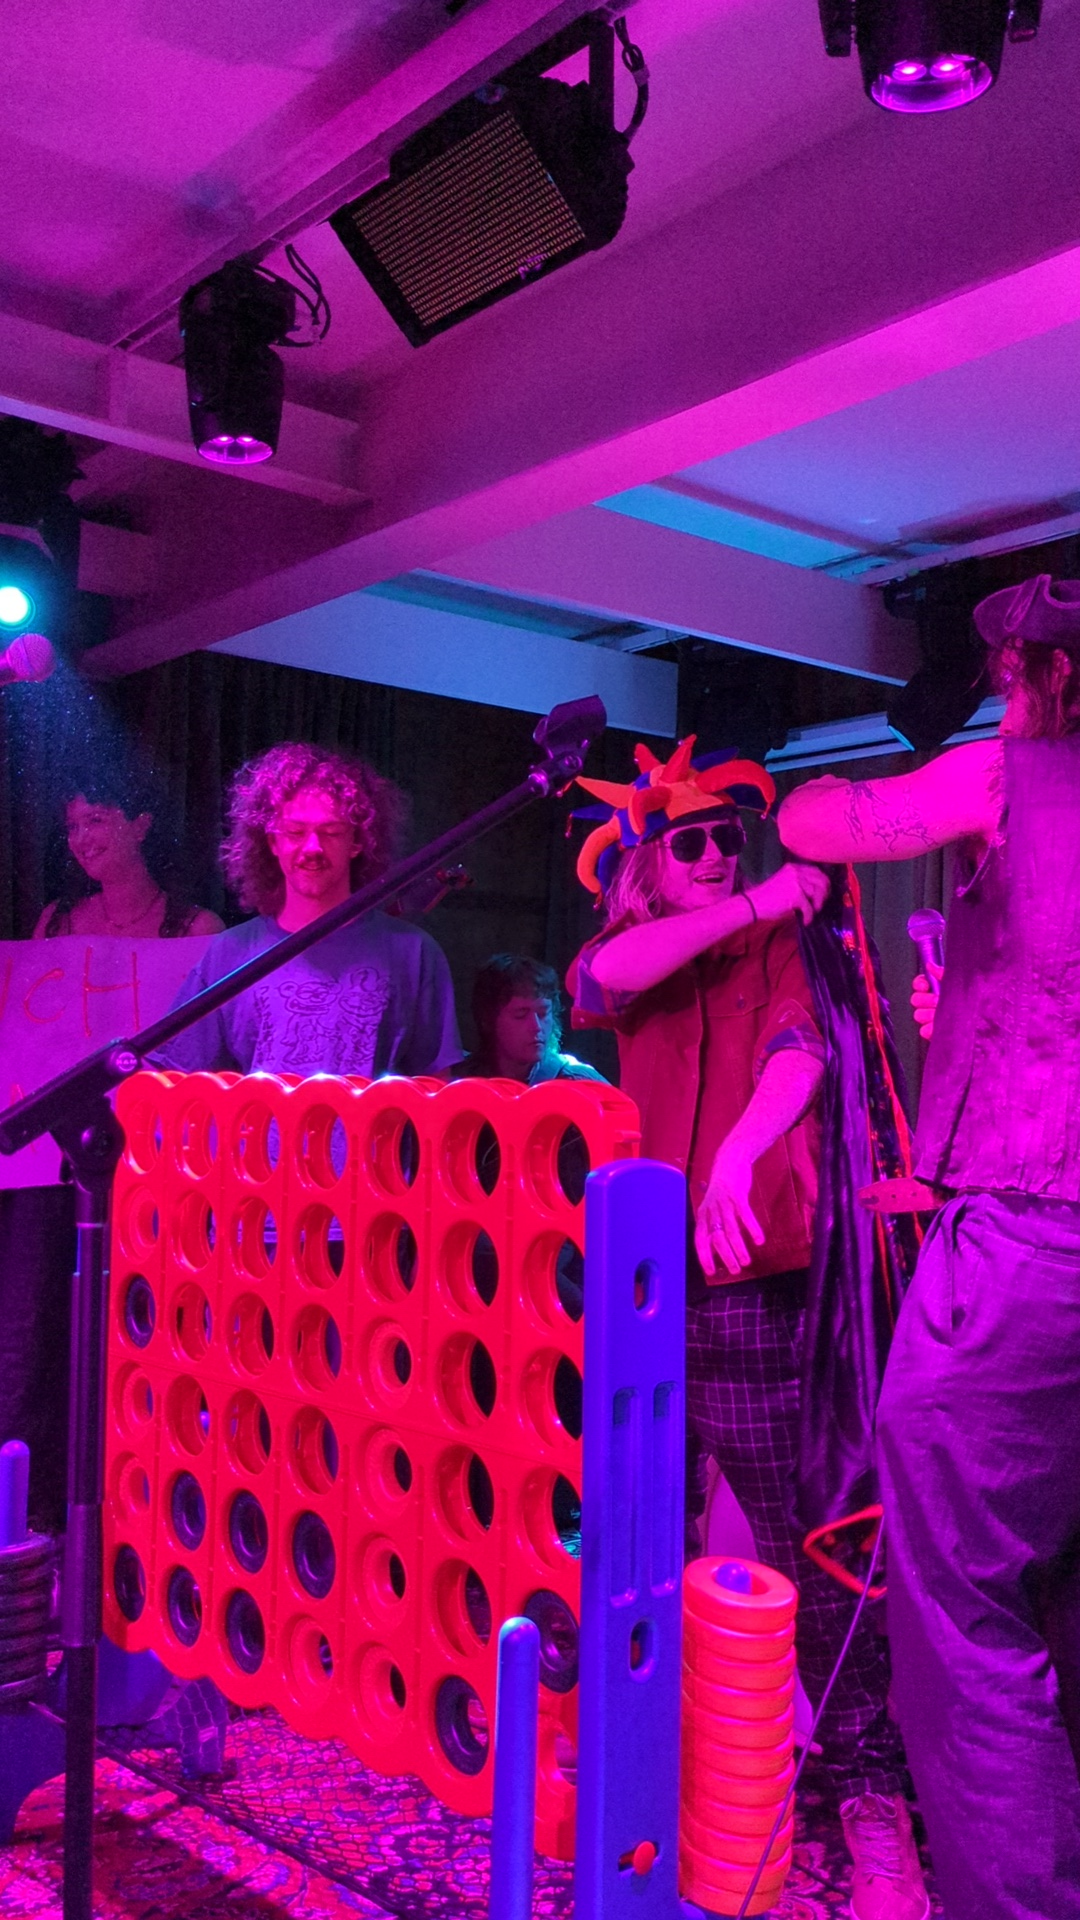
point(1000, 1104)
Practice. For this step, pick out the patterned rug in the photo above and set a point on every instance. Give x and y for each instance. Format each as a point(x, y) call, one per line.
point(303, 1830)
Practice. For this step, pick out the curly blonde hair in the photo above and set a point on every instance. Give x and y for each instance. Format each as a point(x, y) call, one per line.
point(374, 806)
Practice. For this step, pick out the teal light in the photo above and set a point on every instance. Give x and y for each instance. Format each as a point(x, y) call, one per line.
point(15, 607)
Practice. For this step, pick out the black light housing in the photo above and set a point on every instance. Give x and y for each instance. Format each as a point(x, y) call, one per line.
point(950, 682)
point(926, 56)
point(504, 188)
point(235, 384)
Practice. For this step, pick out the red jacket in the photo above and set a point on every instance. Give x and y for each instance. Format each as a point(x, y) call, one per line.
point(692, 1051)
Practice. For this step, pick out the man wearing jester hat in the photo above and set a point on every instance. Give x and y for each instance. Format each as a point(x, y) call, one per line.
point(738, 1052)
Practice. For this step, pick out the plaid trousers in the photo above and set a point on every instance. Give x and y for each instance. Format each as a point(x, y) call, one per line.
point(742, 1403)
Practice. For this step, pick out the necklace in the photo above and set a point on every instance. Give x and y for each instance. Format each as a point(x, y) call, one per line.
point(125, 926)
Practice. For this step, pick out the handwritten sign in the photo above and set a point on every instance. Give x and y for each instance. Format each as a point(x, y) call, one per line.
point(62, 999)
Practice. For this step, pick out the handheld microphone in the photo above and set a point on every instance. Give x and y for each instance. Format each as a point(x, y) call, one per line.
point(30, 657)
point(926, 928)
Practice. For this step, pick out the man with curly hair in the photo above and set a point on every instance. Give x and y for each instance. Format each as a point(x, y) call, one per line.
point(307, 827)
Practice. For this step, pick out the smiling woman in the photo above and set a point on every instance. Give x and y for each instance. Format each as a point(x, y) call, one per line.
point(122, 874)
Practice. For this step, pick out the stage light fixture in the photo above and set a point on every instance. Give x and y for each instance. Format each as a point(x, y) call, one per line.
point(508, 185)
point(30, 590)
point(926, 56)
point(229, 323)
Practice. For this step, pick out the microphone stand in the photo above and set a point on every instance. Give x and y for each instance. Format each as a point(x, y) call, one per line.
point(75, 1109)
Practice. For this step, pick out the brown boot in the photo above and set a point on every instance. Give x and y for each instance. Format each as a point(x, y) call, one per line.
point(888, 1883)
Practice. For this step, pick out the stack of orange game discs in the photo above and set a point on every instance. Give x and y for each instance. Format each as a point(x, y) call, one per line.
point(738, 1732)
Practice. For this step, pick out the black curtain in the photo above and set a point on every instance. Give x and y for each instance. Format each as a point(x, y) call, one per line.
point(197, 719)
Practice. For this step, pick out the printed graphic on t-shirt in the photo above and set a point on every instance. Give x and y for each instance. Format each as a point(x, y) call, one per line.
point(316, 1024)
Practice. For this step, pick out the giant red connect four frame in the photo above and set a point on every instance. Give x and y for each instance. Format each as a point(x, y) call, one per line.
point(344, 1403)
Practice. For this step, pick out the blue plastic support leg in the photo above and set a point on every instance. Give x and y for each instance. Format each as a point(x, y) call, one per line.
point(632, 1544)
point(14, 1489)
point(514, 1811)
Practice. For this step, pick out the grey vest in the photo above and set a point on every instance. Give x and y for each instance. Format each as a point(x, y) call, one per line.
point(1000, 1102)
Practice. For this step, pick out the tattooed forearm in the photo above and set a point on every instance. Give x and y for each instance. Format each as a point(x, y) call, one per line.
point(885, 821)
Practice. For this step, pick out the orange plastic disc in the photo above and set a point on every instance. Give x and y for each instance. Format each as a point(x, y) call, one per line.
point(730, 1643)
point(729, 1876)
point(723, 1730)
point(769, 1605)
point(743, 1823)
point(765, 1676)
point(709, 1783)
point(741, 1763)
point(737, 1703)
point(739, 1849)
point(715, 1901)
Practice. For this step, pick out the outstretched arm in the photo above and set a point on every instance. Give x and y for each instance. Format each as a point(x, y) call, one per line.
point(641, 956)
point(958, 796)
point(726, 1223)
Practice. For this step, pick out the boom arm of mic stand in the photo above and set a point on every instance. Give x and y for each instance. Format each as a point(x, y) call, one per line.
point(563, 735)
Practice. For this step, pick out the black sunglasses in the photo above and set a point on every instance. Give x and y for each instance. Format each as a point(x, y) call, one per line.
point(687, 844)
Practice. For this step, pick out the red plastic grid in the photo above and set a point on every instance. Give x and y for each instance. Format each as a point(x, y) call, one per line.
point(341, 1445)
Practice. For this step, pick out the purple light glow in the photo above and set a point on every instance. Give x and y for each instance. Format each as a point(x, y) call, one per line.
point(235, 450)
point(952, 81)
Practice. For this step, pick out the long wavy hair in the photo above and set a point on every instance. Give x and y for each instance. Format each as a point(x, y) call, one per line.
point(134, 791)
point(1053, 697)
point(374, 806)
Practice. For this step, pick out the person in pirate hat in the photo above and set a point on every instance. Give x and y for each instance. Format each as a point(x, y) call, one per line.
point(979, 1421)
point(724, 1045)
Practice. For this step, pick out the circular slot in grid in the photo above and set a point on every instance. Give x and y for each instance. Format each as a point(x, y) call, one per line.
point(253, 1239)
point(133, 1398)
point(138, 1315)
point(554, 1271)
point(378, 1690)
point(129, 1582)
point(322, 1147)
point(391, 1256)
point(191, 1322)
point(465, 1493)
point(392, 1151)
point(256, 1142)
point(461, 1725)
point(467, 1380)
point(183, 1606)
point(249, 1535)
point(316, 1349)
point(386, 1472)
point(309, 1661)
point(558, 1631)
point(187, 1414)
point(196, 1140)
point(470, 1266)
point(319, 1246)
point(551, 1511)
point(245, 1634)
point(194, 1231)
point(471, 1163)
point(462, 1607)
point(248, 1433)
point(140, 1223)
point(187, 1511)
point(381, 1579)
point(250, 1333)
point(556, 1162)
point(314, 1557)
point(313, 1450)
point(130, 1485)
point(386, 1363)
point(551, 1389)
point(143, 1136)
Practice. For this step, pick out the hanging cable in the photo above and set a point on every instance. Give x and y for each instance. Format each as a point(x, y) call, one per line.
point(634, 61)
point(316, 302)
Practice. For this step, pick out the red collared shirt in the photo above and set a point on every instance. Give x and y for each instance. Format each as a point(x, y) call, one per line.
point(692, 1050)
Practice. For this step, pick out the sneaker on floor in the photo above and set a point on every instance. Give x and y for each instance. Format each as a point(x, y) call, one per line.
point(888, 1882)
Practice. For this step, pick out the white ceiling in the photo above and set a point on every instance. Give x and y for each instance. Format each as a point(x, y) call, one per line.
point(813, 344)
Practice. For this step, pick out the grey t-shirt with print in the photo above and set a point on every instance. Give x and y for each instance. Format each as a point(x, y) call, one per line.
point(372, 998)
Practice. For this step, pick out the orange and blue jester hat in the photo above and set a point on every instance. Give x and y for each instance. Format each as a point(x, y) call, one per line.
point(664, 792)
